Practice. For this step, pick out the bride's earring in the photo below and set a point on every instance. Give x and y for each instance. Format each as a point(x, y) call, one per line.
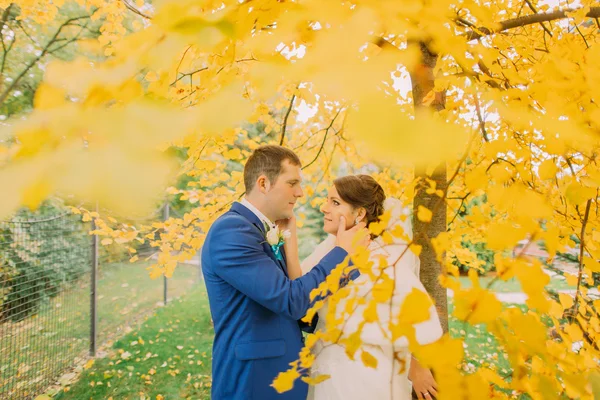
point(356, 221)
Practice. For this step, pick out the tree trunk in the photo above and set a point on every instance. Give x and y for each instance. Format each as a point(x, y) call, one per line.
point(422, 83)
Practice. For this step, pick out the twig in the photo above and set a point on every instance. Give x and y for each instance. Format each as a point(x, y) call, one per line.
point(480, 118)
point(324, 139)
point(190, 74)
point(181, 61)
point(531, 6)
point(581, 251)
point(285, 119)
point(462, 202)
point(135, 10)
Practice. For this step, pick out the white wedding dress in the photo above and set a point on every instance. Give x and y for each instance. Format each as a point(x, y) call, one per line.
point(351, 379)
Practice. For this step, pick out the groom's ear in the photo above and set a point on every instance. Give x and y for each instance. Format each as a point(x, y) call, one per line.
point(262, 184)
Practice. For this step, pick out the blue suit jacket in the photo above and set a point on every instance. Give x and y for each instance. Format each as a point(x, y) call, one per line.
point(255, 308)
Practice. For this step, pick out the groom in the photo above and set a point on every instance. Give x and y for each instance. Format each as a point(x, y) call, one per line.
point(254, 305)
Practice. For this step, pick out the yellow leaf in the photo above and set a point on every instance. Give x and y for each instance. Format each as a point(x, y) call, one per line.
point(591, 263)
point(429, 98)
point(368, 360)
point(477, 306)
point(151, 76)
point(383, 289)
point(566, 300)
point(476, 179)
point(556, 310)
point(35, 194)
point(316, 380)
point(89, 364)
point(574, 332)
point(444, 352)
point(285, 380)
point(370, 313)
point(500, 173)
point(502, 235)
point(400, 138)
point(48, 96)
point(233, 154)
point(416, 248)
point(547, 169)
point(106, 241)
point(424, 214)
point(133, 259)
point(595, 383)
point(415, 308)
point(577, 193)
point(571, 279)
point(155, 271)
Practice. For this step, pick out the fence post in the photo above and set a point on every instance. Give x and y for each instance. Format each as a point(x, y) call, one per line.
point(165, 282)
point(93, 292)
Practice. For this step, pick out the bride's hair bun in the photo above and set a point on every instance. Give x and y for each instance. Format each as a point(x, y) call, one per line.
point(362, 191)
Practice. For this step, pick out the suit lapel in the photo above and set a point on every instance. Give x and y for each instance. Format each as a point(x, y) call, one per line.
point(284, 260)
point(254, 220)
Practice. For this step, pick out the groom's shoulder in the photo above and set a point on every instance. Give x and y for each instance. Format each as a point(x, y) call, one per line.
point(230, 220)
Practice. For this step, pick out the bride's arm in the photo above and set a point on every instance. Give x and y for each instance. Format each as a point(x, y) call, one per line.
point(292, 258)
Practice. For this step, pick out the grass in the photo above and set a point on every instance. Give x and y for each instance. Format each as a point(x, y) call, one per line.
point(481, 348)
point(557, 282)
point(34, 351)
point(126, 290)
point(169, 356)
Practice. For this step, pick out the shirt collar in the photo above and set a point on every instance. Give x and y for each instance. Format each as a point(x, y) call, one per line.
point(256, 212)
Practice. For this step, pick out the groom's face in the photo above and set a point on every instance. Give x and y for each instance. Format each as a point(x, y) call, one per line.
point(285, 191)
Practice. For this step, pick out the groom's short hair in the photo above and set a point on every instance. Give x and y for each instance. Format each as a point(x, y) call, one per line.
point(267, 160)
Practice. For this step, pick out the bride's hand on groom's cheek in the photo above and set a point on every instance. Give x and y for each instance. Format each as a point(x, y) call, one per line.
point(287, 224)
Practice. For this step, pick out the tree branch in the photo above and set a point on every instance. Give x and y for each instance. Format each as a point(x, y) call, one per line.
point(5, 15)
point(462, 202)
point(181, 61)
point(27, 34)
point(135, 10)
point(33, 62)
point(324, 140)
point(532, 8)
point(68, 42)
point(527, 20)
point(285, 119)
point(581, 251)
point(481, 120)
point(188, 74)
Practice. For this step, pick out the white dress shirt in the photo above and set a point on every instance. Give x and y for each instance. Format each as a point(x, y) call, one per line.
point(256, 212)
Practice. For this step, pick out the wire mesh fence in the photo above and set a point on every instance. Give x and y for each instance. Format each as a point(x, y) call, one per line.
point(43, 326)
point(52, 313)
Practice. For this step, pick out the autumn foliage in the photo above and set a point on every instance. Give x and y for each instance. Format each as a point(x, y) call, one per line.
point(504, 95)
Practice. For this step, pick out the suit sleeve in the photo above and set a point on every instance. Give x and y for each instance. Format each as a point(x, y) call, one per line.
point(240, 260)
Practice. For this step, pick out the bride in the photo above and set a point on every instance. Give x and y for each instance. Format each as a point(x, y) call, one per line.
point(350, 201)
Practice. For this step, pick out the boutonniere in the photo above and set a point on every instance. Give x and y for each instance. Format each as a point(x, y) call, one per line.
point(276, 238)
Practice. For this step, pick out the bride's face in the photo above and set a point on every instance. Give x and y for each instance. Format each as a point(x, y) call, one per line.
point(335, 208)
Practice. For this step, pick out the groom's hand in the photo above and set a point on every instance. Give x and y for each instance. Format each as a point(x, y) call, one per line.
point(352, 238)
